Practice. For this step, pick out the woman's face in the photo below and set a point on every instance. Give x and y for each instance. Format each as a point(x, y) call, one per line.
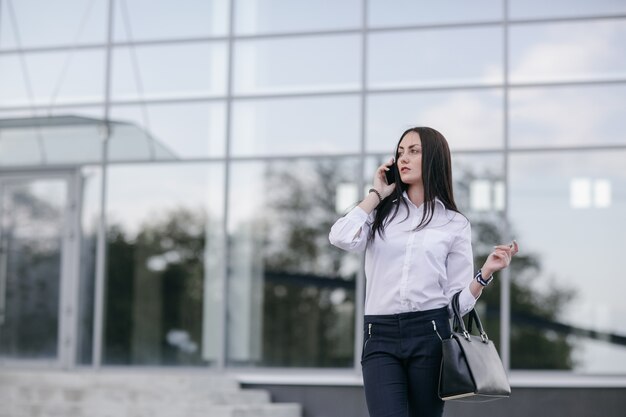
point(410, 158)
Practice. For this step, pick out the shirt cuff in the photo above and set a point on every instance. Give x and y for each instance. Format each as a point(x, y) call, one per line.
point(466, 301)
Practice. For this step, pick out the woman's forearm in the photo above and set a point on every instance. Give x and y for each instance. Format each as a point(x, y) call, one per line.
point(475, 288)
point(369, 203)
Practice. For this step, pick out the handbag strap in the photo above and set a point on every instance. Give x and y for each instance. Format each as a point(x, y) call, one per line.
point(458, 323)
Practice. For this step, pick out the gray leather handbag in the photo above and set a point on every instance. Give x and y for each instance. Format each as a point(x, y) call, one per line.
point(471, 369)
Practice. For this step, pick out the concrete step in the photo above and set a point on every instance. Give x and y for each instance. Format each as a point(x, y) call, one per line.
point(173, 381)
point(127, 394)
point(264, 410)
point(132, 393)
point(171, 410)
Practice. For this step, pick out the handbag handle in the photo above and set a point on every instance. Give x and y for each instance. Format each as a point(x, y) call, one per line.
point(459, 325)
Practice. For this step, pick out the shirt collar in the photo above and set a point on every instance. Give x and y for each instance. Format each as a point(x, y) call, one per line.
point(437, 200)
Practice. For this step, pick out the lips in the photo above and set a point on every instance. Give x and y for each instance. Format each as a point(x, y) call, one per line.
point(404, 169)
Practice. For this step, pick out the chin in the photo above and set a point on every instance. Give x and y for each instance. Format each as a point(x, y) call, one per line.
point(409, 180)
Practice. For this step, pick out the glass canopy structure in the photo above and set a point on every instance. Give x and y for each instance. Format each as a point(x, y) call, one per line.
point(69, 140)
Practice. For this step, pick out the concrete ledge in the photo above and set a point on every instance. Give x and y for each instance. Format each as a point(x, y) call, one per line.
point(521, 379)
point(349, 401)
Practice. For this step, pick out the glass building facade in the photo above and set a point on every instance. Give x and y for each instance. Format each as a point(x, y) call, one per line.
point(169, 172)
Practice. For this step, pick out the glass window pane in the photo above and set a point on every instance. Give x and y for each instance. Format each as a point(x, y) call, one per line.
point(273, 16)
point(190, 70)
point(435, 57)
point(568, 116)
point(163, 19)
point(50, 78)
point(282, 266)
point(411, 12)
point(174, 131)
point(298, 64)
point(567, 51)
point(468, 119)
point(567, 211)
point(319, 125)
point(45, 23)
point(528, 9)
point(164, 236)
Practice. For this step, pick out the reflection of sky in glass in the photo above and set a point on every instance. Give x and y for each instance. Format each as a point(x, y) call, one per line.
point(273, 16)
point(411, 12)
point(138, 193)
point(166, 19)
point(579, 248)
point(300, 64)
point(189, 130)
point(568, 51)
point(95, 112)
point(241, 174)
point(250, 181)
point(55, 77)
point(468, 119)
point(47, 23)
point(567, 116)
point(190, 69)
point(524, 9)
point(479, 192)
point(296, 126)
point(435, 57)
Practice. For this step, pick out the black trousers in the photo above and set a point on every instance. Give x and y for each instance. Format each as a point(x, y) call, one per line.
point(400, 362)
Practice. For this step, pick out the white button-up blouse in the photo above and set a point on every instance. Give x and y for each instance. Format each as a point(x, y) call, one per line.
point(410, 270)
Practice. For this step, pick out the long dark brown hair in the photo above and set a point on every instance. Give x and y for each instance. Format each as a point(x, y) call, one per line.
point(436, 176)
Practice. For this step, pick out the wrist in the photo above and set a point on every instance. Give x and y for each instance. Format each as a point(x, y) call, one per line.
point(377, 193)
point(486, 272)
point(482, 279)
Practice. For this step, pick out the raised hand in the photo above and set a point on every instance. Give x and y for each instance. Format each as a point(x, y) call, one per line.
point(380, 179)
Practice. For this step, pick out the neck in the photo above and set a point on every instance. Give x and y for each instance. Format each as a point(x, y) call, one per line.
point(416, 194)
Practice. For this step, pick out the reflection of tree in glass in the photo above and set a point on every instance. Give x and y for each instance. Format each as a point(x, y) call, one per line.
point(309, 304)
point(533, 345)
point(155, 281)
point(154, 290)
point(31, 237)
point(300, 213)
point(533, 312)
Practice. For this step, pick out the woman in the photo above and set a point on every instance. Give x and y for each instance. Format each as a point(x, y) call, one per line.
point(418, 254)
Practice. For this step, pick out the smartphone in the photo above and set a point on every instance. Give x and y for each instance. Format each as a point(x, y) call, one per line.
point(391, 174)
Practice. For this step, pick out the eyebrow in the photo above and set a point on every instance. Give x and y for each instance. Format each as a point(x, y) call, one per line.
point(411, 146)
